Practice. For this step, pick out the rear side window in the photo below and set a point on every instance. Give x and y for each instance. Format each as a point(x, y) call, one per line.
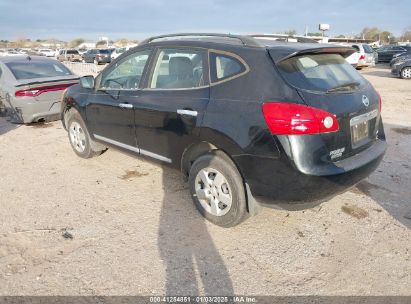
point(37, 69)
point(178, 69)
point(356, 47)
point(368, 49)
point(321, 72)
point(225, 66)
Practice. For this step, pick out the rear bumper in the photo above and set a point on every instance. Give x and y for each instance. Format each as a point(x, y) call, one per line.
point(27, 111)
point(280, 181)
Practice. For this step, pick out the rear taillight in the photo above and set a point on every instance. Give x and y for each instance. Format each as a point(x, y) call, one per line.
point(362, 57)
point(40, 90)
point(291, 118)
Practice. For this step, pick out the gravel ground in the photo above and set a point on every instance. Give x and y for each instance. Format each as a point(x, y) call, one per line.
point(120, 225)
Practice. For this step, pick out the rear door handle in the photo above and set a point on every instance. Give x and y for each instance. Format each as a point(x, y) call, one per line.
point(187, 112)
point(125, 105)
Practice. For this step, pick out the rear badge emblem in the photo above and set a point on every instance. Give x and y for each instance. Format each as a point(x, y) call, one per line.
point(337, 153)
point(365, 100)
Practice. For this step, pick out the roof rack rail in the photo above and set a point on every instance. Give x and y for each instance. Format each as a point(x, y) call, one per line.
point(245, 40)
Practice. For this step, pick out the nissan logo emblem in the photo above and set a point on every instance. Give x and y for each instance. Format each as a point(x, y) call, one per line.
point(365, 100)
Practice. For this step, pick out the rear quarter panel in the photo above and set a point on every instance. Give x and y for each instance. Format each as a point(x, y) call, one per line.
point(234, 120)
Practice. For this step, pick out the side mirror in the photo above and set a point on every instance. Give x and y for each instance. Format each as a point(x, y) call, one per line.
point(87, 82)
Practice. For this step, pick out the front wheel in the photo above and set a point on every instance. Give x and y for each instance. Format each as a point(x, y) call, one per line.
point(79, 137)
point(218, 190)
point(406, 73)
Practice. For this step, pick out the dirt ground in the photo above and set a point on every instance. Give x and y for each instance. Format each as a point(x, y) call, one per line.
point(121, 225)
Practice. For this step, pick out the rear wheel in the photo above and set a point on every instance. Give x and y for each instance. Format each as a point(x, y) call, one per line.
point(406, 73)
point(218, 190)
point(79, 137)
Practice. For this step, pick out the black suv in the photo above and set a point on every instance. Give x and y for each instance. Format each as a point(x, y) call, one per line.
point(243, 118)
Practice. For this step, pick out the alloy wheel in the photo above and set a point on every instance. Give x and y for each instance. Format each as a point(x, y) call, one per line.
point(77, 137)
point(213, 191)
point(406, 73)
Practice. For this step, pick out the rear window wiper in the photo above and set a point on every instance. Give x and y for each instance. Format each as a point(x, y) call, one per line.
point(344, 87)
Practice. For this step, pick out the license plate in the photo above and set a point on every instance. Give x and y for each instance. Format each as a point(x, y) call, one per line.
point(360, 128)
point(359, 132)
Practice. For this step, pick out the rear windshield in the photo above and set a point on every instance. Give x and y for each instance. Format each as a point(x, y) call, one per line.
point(72, 52)
point(104, 51)
point(39, 69)
point(321, 72)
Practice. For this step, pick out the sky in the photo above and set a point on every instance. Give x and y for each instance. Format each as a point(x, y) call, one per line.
point(138, 19)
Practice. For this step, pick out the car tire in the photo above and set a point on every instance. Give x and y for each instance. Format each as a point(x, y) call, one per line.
point(406, 73)
point(79, 137)
point(215, 185)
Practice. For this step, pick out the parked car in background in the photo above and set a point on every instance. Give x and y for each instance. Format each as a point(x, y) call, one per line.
point(401, 58)
point(31, 87)
point(242, 118)
point(363, 57)
point(117, 52)
point(82, 51)
point(97, 56)
point(10, 52)
point(402, 67)
point(47, 52)
point(69, 55)
point(386, 53)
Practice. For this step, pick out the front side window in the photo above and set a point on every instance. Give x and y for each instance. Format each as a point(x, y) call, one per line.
point(127, 74)
point(178, 69)
point(321, 73)
point(225, 66)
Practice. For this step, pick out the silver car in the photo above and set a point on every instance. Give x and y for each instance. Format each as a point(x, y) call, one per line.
point(31, 87)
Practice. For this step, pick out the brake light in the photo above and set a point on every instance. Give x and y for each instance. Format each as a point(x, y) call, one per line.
point(40, 90)
point(294, 119)
point(362, 57)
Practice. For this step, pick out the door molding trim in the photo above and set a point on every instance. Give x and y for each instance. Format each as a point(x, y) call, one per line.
point(156, 156)
point(131, 148)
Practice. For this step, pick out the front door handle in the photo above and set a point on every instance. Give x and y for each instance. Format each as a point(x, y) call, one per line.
point(125, 105)
point(187, 112)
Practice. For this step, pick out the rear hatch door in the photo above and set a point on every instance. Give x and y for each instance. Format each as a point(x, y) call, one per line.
point(326, 81)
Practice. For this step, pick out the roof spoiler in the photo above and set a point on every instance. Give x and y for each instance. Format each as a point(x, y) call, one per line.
point(343, 51)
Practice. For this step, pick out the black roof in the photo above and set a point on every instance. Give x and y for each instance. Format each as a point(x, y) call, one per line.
point(280, 49)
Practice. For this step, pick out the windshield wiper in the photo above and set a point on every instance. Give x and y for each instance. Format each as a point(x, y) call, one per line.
point(344, 87)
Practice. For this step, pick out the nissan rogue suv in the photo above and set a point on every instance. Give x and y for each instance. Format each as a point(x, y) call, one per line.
point(243, 118)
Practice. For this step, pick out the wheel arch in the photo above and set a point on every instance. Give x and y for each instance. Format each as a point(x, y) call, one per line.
point(71, 101)
point(203, 147)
